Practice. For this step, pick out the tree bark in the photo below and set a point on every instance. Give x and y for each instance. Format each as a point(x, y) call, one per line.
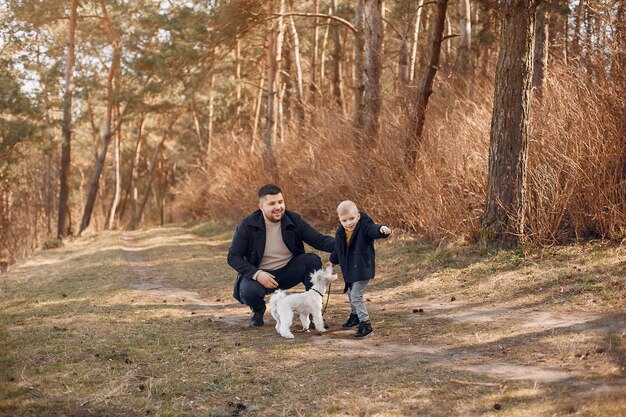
point(118, 180)
point(373, 70)
point(257, 109)
point(322, 80)
point(272, 38)
point(209, 145)
point(64, 225)
point(313, 88)
point(298, 65)
point(426, 83)
point(134, 164)
point(238, 94)
point(416, 31)
point(337, 61)
point(465, 25)
point(153, 164)
point(540, 54)
point(106, 139)
point(359, 70)
point(118, 138)
point(108, 133)
point(503, 221)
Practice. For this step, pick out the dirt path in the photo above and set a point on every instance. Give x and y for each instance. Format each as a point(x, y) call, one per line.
point(153, 284)
point(144, 323)
point(526, 323)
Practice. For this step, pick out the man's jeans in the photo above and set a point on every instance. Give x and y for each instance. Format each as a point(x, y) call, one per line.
point(297, 271)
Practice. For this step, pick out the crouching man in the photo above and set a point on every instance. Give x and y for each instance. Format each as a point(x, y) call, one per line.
point(267, 252)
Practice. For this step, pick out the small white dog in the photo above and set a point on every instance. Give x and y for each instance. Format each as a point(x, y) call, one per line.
point(283, 306)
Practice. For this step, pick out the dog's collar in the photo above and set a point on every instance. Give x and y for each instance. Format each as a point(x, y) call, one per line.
point(317, 292)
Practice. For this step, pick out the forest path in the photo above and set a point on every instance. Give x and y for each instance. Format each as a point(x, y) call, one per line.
point(134, 322)
point(525, 323)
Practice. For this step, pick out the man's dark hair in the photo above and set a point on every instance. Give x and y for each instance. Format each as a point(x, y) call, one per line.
point(269, 189)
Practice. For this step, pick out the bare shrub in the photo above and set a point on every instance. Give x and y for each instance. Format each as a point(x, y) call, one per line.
point(576, 161)
point(576, 167)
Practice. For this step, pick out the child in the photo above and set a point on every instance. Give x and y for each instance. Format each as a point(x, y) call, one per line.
point(354, 251)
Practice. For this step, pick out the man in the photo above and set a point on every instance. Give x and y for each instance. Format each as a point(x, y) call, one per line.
point(268, 251)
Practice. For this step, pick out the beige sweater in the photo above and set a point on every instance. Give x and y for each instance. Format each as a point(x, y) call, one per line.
point(276, 254)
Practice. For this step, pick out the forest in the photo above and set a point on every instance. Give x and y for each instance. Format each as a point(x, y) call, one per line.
point(495, 123)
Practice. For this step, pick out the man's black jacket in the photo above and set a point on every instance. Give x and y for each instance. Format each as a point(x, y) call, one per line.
point(246, 251)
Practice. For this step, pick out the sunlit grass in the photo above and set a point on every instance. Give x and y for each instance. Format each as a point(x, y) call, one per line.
point(143, 323)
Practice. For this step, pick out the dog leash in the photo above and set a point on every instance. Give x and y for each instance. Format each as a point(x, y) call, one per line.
point(327, 299)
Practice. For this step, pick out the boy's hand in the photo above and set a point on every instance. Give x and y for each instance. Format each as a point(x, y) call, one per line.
point(385, 230)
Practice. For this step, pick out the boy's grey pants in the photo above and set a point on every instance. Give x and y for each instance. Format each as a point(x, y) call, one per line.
point(357, 302)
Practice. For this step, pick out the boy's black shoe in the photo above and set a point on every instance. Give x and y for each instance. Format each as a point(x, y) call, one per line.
point(257, 318)
point(365, 328)
point(353, 320)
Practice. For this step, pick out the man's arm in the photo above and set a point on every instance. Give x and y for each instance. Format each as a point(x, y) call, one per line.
point(315, 238)
point(238, 251)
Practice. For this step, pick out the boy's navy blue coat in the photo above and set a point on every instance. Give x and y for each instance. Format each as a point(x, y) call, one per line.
point(248, 245)
point(358, 259)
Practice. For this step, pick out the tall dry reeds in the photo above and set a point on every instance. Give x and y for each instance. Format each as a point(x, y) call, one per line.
point(577, 161)
point(576, 167)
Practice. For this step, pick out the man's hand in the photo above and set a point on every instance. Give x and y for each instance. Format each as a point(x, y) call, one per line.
point(267, 280)
point(385, 230)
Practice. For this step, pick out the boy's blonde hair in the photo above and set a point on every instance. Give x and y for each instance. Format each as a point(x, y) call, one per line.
point(346, 207)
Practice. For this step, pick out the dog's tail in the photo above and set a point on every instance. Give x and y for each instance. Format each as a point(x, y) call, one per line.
point(276, 297)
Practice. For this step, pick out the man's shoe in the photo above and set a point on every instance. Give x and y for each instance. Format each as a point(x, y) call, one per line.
point(365, 328)
point(353, 320)
point(257, 319)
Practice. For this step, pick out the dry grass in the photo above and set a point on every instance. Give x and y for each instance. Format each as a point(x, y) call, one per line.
point(576, 178)
point(143, 323)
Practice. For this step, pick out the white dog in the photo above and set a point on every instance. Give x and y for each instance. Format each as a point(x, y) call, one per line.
point(283, 306)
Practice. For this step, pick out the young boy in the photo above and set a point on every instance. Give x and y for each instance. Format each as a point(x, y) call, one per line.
point(354, 251)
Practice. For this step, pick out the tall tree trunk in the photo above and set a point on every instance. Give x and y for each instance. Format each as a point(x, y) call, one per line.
point(209, 145)
point(298, 64)
point(134, 163)
point(134, 205)
point(359, 70)
point(153, 164)
point(618, 63)
point(465, 25)
point(426, 84)
point(287, 85)
point(322, 80)
point(373, 70)
point(118, 180)
point(577, 41)
point(106, 139)
point(403, 51)
point(313, 87)
point(337, 61)
point(238, 89)
point(272, 39)
point(64, 225)
point(278, 83)
point(540, 54)
point(449, 40)
point(118, 138)
point(503, 220)
point(257, 109)
point(416, 31)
